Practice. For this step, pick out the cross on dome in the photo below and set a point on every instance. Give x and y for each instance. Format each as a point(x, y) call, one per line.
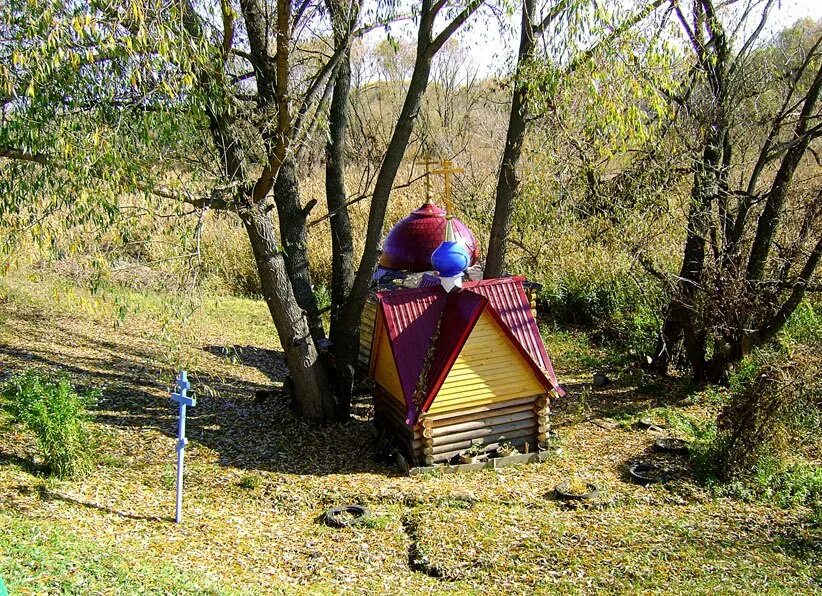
point(411, 243)
point(427, 161)
point(446, 171)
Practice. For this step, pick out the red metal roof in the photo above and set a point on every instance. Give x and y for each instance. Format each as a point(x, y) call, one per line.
point(411, 318)
point(430, 324)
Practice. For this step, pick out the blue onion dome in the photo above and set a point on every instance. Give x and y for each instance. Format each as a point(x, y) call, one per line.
point(451, 257)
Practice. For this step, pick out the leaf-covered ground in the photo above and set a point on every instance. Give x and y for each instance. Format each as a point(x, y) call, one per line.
point(258, 478)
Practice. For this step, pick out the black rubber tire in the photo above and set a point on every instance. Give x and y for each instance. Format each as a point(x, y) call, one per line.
point(560, 492)
point(334, 516)
point(671, 445)
point(636, 472)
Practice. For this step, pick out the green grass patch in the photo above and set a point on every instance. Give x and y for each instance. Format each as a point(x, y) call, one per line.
point(47, 558)
point(575, 349)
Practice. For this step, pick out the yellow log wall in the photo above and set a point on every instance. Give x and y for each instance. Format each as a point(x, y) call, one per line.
point(488, 370)
point(385, 369)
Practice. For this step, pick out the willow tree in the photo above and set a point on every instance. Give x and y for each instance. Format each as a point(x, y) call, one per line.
point(556, 38)
point(210, 105)
point(752, 238)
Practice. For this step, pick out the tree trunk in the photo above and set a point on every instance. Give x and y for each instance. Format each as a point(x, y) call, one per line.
point(348, 318)
point(735, 350)
point(769, 220)
point(313, 397)
point(294, 236)
point(508, 180)
point(680, 311)
point(342, 243)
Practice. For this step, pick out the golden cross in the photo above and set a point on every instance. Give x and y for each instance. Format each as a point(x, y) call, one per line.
point(427, 161)
point(446, 170)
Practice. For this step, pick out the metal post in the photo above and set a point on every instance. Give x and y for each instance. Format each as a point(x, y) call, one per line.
point(183, 400)
point(181, 452)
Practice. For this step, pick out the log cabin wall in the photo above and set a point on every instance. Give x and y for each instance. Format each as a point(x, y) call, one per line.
point(516, 421)
point(438, 438)
point(390, 415)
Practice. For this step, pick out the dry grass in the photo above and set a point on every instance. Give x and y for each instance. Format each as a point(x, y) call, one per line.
point(257, 479)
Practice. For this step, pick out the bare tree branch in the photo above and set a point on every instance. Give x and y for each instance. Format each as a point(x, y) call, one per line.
point(452, 27)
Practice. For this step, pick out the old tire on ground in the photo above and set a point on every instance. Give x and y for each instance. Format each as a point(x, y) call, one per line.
point(561, 492)
point(671, 445)
point(342, 517)
point(647, 473)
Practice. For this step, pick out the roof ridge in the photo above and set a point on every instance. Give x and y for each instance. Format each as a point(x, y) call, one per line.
point(406, 291)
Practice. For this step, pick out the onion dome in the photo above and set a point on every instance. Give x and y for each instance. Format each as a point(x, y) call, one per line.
point(450, 259)
point(410, 244)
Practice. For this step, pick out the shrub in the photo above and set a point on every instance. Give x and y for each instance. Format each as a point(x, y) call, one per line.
point(758, 447)
point(791, 485)
point(774, 403)
point(56, 414)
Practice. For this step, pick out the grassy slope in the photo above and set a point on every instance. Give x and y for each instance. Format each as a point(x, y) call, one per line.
point(257, 479)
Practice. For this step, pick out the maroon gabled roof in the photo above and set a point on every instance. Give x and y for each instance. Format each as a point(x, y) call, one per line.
point(411, 318)
point(431, 325)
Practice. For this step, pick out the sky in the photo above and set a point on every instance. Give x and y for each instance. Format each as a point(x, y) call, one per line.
point(490, 50)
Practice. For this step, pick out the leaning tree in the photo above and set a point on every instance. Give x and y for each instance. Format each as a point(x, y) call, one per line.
point(753, 240)
point(557, 38)
point(211, 105)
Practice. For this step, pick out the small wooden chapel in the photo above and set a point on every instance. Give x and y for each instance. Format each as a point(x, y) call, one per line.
point(455, 363)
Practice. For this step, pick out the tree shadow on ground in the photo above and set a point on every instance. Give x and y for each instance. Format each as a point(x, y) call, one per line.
point(616, 401)
point(263, 359)
point(23, 463)
point(244, 432)
point(49, 495)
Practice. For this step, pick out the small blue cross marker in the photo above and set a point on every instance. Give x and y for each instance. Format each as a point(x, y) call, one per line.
point(180, 396)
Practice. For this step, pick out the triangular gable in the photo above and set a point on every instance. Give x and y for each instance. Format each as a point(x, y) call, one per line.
point(512, 307)
point(488, 369)
point(382, 365)
point(462, 311)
